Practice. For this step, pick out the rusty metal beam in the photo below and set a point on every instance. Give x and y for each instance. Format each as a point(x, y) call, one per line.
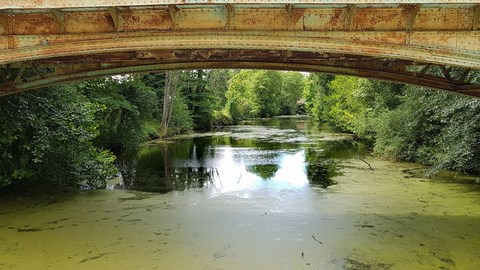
point(53, 41)
point(55, 80)
point(446, 72)
point(3, 76)
point(350, 13)
point(464, 75)
point(411, 11)
point(462, 41)
point(476, 17)
point(244, 40)
point(60, 18)
point(113, 11)
point(73, 68)
point(473, 91)
point(230, 14)
point(238, 17)
point(35, 4)
point(470, 90)
point(172, 9)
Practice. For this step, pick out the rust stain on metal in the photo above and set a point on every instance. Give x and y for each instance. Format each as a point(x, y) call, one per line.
point(88, 22)
point(355, 37)
point(205, 18)
point(32, 24)
point(336, 20)
point(378, 19)
point(42, 4)
point(476, 17)
point(245, 19)
point(324, 20)
point(296, 18)
point(94, 65)
point(3, 24)
point(436, 18)
point(145, 20)
point(3, 43)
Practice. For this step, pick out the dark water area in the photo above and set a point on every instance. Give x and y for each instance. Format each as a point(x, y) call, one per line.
point(273, 153)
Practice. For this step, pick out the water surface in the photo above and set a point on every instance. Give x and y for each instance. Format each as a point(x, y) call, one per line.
point(242, 199)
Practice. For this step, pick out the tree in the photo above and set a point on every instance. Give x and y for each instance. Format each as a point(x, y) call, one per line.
point(435, 128)
point(292, 87)
point(267, 86)
point(261, 93)
point(127, 106)
point(204, 92)
point(315, 93)
point(242, 101)
point(171, 84)
point(181, 121)
point(46, 137)
point(410, 123)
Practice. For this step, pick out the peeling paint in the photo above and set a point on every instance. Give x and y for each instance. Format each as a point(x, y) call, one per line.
point(356, 37)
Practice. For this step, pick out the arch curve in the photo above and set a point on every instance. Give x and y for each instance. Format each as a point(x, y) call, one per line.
point(434, 45)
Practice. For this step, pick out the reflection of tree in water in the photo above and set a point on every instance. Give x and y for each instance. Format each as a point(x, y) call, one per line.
point(127, 169)
point(192, 177)
point(343, 149)
point(320, 169)
point(265, 171)
point(154, 168)
point(297, 123)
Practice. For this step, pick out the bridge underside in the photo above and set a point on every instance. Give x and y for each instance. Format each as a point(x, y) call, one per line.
point(42, 73)
point(429, 43)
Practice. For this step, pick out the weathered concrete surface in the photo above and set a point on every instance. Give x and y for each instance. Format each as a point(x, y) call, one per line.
point(429, 43)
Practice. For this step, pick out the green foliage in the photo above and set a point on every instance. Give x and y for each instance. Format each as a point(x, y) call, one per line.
point(156, 81)
point(128, 106)
point(217, 85)
point(58, 136)
point(292, 87)
point(436, 128)
point(242, 101)
point(263, 93)
point(315, 94)
point(181, 121)
point(356, 104)
point(347, 108)
point(204, 92)
point(405, 122)
point(401, 132)
point(46, 137)
point(267, 86)
point(222, 118)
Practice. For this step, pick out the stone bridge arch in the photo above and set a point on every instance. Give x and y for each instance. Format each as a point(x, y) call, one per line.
point(433, 43)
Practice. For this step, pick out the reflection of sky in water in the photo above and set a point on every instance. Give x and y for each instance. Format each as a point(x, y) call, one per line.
point(244, 158)
point(231, 168)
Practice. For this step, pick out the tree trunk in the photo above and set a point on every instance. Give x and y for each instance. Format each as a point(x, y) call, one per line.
point(168, 99)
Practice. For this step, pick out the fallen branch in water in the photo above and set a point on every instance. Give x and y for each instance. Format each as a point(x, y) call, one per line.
point(369, 166)
point(316, 240)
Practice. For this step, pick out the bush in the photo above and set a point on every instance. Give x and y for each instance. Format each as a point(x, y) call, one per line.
point(46, 137)
point(222, 118)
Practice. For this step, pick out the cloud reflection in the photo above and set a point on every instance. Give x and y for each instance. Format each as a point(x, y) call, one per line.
point(233, 174)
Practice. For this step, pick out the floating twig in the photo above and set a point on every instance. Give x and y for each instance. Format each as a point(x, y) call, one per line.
point(369, 166)
point(316, 240)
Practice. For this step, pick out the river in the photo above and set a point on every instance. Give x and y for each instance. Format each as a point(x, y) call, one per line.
point(248, 197)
